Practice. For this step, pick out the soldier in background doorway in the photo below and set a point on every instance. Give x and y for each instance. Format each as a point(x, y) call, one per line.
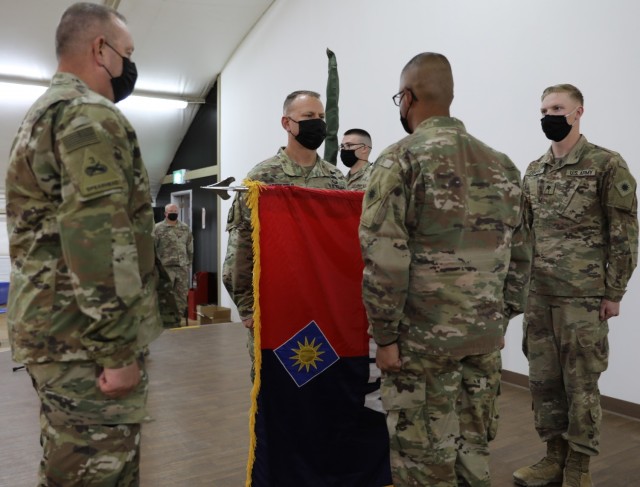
point(174, 247)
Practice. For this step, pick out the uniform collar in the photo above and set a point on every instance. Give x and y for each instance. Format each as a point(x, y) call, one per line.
point(62, 79)
point(290, 168)
point(359, 173)
point(449, 122)
point(573, 157)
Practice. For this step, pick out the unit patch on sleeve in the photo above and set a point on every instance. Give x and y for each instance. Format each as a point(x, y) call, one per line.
point(97, 177)
point(624, 187)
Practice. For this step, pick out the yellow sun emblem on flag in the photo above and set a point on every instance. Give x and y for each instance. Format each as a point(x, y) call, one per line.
point(307, 354)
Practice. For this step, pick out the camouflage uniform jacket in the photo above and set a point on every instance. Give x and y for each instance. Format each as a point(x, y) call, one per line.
point(583, 213)
point(446, 256)
point(80, 222)
point(174, 244)
point(238, 264)
point(358, 180)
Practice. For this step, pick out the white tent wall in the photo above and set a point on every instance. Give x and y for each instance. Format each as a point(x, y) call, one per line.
point(503, 54)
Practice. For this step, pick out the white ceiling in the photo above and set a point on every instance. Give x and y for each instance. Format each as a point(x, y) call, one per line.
point(180, 48)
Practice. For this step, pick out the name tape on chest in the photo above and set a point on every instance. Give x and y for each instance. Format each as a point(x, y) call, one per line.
point(581, 172)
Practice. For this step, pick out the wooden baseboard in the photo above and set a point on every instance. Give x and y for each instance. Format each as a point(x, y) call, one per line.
point(610, 404)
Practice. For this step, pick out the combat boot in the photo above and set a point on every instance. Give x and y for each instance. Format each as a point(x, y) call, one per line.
point(547, 470)
point(576, 470)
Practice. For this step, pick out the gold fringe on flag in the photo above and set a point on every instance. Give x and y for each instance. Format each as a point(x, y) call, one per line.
point(252, 199)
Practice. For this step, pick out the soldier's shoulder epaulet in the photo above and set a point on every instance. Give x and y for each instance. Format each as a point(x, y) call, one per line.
point(609, 156)
point(263, 168)
point(604, 149)
point(389, 156)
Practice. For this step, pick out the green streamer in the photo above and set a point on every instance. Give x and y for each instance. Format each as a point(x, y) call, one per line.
point(332, 114)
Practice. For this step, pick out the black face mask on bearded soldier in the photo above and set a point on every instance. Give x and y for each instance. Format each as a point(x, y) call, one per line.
point(123, 85)
point(311, 132)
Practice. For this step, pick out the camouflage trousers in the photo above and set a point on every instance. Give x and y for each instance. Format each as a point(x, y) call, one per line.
point(441, 415)
point(180, 278)
point(567, 347)
point(87, 439)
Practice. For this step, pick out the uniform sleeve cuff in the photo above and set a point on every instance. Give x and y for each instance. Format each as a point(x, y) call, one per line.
point(123, 357)
point(384, 335)
point(614, 295)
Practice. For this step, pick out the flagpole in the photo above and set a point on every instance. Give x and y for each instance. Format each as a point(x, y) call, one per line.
point(221, 188)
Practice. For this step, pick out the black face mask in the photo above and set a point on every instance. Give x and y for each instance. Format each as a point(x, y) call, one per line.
point(348, 157)
point(123, 85)
point(403, 120)
point(172, 216)
point(311, 133)
point(556, 127)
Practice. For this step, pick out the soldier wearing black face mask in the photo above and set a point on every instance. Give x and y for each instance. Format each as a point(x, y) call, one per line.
point(298, 164)
point(123, 84)
point(84, 285)
point(354, 153)
point(580, 202)
point(174, 247)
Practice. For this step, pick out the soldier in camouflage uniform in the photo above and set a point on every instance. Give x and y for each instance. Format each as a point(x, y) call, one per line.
point(296, 164)
point(83, 282)
point(582, 207)
point(174, 247)
point(446, 265)
point(354, 153)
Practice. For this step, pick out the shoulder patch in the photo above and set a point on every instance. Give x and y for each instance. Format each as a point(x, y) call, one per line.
point(373, 194)
point(624, 187)
point(385, 163)
point(97, 177)
point(80, 138)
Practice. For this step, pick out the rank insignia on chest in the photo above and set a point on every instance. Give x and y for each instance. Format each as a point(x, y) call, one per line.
point(549, 188)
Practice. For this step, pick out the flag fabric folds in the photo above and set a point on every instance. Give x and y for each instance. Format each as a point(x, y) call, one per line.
point(309, 424)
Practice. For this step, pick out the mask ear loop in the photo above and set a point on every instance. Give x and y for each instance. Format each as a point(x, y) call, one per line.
point(569, 114)
point(289, 131)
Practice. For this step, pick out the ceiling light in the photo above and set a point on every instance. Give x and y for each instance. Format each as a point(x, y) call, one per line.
point(136, 102)
point(20, 92)
point(27, 91)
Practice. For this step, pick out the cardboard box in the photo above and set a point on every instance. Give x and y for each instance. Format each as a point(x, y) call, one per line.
point(210, 313)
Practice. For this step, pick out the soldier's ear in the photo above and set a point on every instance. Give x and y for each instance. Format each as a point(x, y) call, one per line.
point(284, 121)
point(97, 49)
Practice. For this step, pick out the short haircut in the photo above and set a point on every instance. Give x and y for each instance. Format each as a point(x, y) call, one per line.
point(431, 77)
point(292, 96)
point(571, 90)
point(361, 132)
point(81, 23)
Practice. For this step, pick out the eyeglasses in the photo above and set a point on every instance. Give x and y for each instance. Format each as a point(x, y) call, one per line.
point(349, 146)
point(397, 98)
